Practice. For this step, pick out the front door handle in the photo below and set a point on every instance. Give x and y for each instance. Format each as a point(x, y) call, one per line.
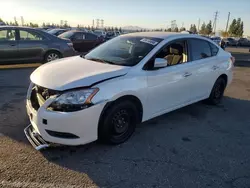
point(12, 44)
point(187, 74)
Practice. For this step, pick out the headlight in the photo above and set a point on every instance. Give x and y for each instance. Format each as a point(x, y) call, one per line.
point(73, 100)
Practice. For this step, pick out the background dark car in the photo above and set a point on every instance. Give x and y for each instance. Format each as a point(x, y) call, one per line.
point(243, 42)
point(232, 42)
point(57, 32)
point(82, 41)
point(27, 44)
point(110, 35)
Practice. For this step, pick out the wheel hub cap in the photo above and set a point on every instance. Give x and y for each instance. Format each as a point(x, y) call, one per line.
point(120, 122)
point(52, 57)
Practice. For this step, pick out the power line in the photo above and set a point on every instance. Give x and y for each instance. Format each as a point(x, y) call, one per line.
point(227, 21)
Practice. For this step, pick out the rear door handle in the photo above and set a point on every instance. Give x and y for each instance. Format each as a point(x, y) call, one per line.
point(187, 74)
point(12, 44)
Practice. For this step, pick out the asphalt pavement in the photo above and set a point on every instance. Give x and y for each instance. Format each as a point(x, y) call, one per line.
point(196, 146)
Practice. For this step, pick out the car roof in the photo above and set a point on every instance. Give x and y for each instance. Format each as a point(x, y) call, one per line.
point(162, 35)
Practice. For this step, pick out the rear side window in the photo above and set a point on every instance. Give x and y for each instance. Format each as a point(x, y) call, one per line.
point(90, 36)
point(214, 49)
point(199, 49)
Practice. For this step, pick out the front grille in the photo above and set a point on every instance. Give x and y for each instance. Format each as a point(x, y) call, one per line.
point(39, 95)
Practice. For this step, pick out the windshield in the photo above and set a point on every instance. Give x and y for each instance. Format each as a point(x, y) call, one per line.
point(123, 50)
point(66, 35)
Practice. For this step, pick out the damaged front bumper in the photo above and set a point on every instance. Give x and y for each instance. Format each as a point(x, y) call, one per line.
point(35, 139)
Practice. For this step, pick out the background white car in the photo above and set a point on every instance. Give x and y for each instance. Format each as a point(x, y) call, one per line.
point(127, 80)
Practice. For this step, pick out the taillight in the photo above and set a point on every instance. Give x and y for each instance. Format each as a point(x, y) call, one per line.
point(232, 59)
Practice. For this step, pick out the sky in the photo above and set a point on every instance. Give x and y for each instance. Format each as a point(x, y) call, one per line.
point(119, 13)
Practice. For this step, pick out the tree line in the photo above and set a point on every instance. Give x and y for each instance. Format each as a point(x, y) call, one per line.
point(236, 28)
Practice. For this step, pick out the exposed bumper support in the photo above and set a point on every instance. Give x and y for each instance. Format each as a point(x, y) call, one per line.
point(35, 139)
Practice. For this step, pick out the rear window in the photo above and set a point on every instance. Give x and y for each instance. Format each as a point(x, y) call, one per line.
point(66, 35)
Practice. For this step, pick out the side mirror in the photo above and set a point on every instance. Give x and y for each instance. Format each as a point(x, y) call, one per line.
point(160, 63)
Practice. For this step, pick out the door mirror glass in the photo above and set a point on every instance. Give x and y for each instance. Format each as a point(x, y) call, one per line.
point(160, 63)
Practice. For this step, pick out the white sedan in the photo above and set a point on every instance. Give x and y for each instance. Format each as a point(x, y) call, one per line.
point(125, 81)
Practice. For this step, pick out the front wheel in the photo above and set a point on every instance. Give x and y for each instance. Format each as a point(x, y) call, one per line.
point(217, 92)
point(118, 123)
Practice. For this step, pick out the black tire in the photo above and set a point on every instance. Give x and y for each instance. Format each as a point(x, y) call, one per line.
point(217, 92)
point(49, 54)
point(118, 123)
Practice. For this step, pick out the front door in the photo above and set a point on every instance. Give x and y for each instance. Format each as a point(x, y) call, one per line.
point(169, 87)
point(8, 45)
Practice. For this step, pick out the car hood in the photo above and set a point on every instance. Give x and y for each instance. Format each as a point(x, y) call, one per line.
point(74, 72)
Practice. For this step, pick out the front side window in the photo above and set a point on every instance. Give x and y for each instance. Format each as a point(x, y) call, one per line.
point(27, 35)
point(7, 35)
point(199, 49)
point(175, 53)
point(124, 50)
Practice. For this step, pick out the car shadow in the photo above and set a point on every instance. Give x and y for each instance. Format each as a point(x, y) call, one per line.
point(163, 145)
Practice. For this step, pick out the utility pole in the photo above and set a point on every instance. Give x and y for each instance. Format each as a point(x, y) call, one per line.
point(199, 25)
point(97, 23)
point(22, 20)
point(102, 23)
point(227, 21)
point(215, 20)
point(173, 25)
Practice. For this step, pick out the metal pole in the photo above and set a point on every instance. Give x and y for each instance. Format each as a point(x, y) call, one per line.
point(227, 21)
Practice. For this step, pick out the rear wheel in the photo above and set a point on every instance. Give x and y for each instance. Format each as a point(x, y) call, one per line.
point(217, 91)
point(51, 56)
point(118, 123)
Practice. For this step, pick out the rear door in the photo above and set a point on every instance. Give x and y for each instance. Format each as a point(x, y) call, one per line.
point(8, 45)
point(31, 45)
point(204, 67)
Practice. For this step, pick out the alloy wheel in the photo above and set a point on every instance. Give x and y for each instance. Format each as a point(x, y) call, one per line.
point(52, 57)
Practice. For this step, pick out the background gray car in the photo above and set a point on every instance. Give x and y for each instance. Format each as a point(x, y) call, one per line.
point(19, 44)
